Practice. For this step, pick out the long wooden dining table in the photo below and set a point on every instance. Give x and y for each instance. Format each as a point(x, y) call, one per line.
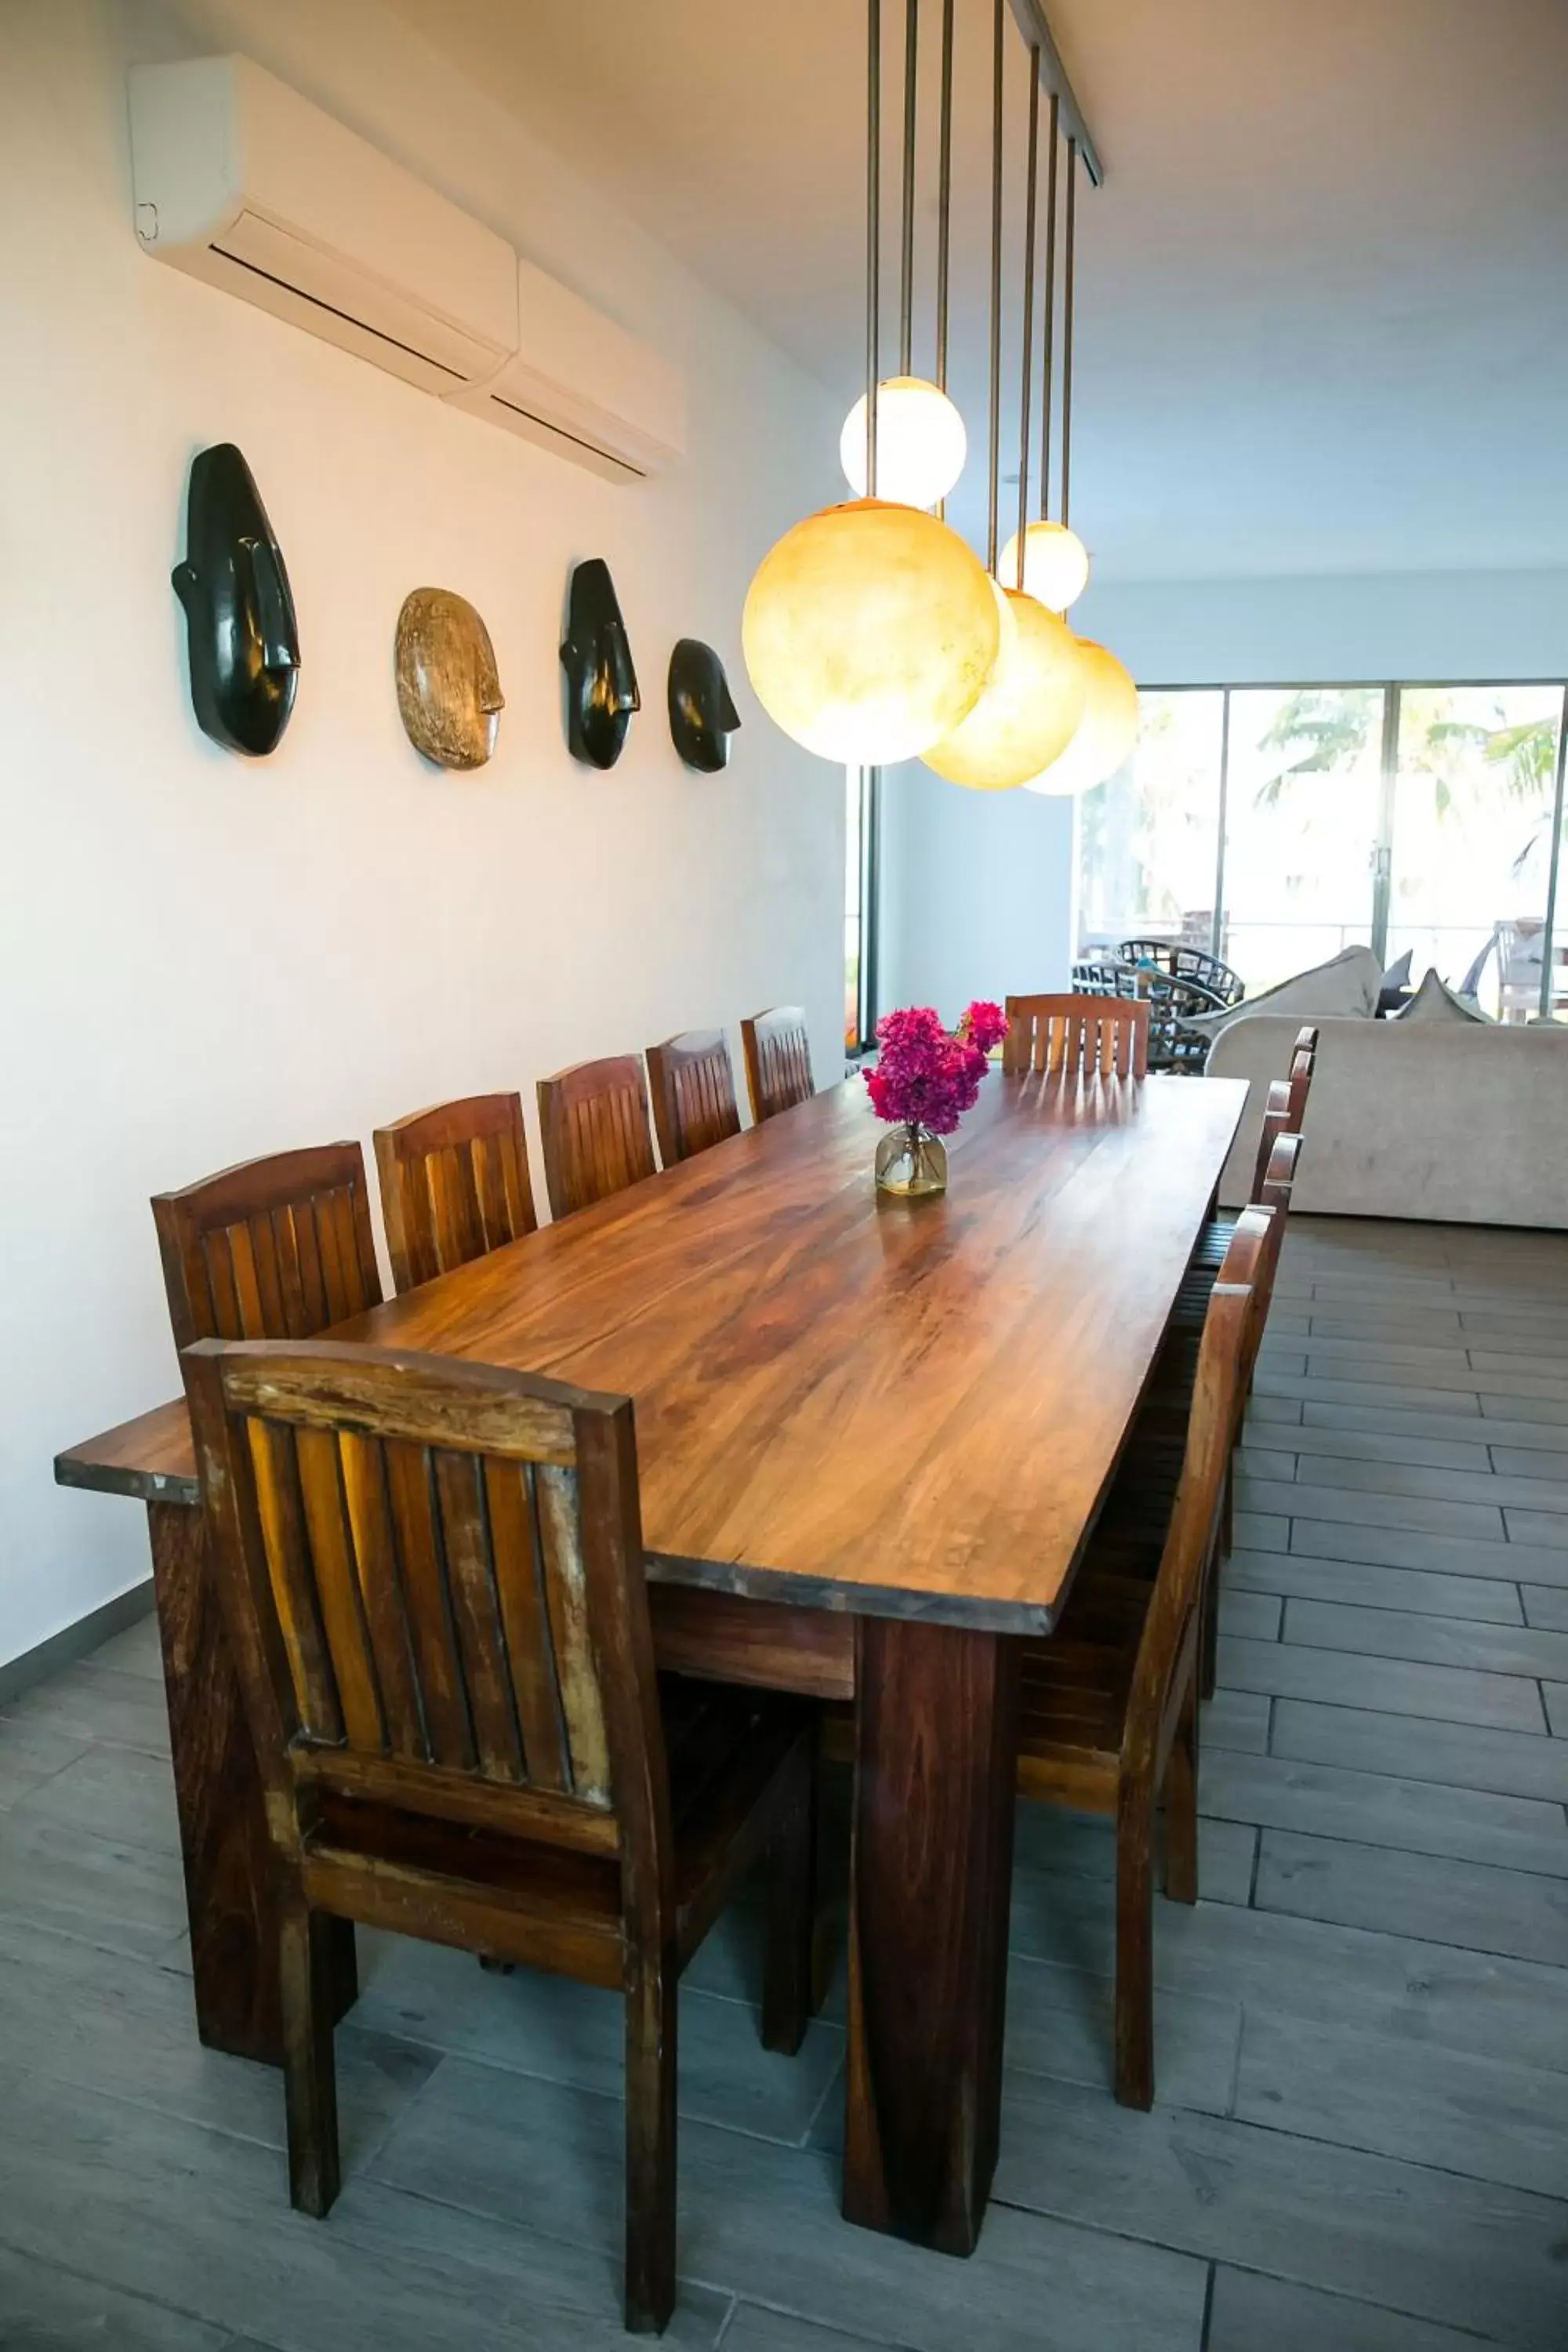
point(873, 1437)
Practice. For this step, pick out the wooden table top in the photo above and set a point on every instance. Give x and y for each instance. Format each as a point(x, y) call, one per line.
point(908, 1409)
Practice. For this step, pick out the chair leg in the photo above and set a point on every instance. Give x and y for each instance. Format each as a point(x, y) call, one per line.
point(1134, 2076)
point(787, 1985)
point(309, 2081)
point(1181, 1803)
point(650, 2143)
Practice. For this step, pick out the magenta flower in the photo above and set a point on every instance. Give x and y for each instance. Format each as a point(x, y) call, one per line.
point(926, 1075)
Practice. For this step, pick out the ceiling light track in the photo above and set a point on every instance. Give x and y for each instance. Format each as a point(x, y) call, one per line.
point(1035, 26)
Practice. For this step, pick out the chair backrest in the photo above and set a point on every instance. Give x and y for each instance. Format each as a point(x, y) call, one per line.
point(592, 1120)
point(454, 1184)
point(1100, 1035)
point(1186, 962)
point(1303, 1060)
point(1276, 1119)
point(273, 1249)
point(433, 1575)
point(1166, 1649)
point(693, 1088)
point(778, 1052)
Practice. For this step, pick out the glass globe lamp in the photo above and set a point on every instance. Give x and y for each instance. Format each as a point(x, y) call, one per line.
point(1033, 703)
point(1107, 733)
point(868, 632)
point(920, 443)
point(1056, 564)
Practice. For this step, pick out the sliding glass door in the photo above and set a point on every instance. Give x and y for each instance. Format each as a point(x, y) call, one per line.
point(1276, 825)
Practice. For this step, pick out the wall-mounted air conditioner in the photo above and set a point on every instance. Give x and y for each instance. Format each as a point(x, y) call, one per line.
point(580, 384)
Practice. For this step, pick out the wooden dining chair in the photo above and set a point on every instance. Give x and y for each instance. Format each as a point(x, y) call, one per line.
point(1104, 1036)
point(778, 1052)
point(433, 1576)
point(1108, 1704)
point(1303, 1061)
point(453, 1185)
point(592, 1119)
point(693, 1088)
point(271, 1249)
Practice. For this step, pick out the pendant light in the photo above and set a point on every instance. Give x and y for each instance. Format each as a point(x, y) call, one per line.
point(1107, 733)
point(1055, 560)
point(920, 438)
point(1034, 700)
point(870, 629)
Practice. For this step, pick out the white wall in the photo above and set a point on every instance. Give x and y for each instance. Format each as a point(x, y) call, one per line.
point(202, 958)
point(978, 889)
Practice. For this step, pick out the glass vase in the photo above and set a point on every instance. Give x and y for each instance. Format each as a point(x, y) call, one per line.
point(911, 1163)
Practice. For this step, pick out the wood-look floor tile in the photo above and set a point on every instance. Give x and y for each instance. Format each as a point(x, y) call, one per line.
point(1545, 1605)
point(1468, 1756)
point(1250, 2313)
point(1238, 1719)
point(1397, 1548)
point(1526, 1526)
point(1478, 2116)
point(1446, 1693)
point(1433, 1641)
point(1334, 1445)
point(1403, 1396)
point(1256, 1614)
point(1320, 1499)
point(1543, 1438)
point(1555, 1696)
point(1481, 1908)
point(1379, 1809)
point(1532, 1493)
point(1363, 1584)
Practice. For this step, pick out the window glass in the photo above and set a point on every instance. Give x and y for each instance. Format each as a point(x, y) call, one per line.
point(1302, 806)
point(1148, 838)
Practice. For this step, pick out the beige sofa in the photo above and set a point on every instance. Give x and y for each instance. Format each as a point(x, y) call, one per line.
point(1451, 1121)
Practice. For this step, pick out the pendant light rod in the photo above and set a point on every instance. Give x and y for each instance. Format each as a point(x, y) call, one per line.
point(907, 225)
point(997, 65)
point(873, 230)
point(1049, 337)
point(1031, 183)
point(943, 194)
point(1035, 26)
point(1066, 329)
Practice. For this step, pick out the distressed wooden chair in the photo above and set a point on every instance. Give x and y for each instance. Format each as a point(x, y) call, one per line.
point(271, 1249)
point(778, 1052)
point(453, 1185)
point(693, 1089)
point(433, 1576)
point(592, 1119)
point(1108, 1704)
point(1106, 1036)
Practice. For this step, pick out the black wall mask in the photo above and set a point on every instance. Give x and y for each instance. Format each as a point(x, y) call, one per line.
point(244, 640)
point(601, 684)
point(702, 717)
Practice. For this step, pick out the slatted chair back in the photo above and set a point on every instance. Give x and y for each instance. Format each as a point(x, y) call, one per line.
point(594, 1122)
point(453, 1185)
point(272, 1249)
point(777, 1052)
point(1102, 1036)
point(1276, 1119)
point(1168, 1649)
point(693, 1088)
point(433, 1573)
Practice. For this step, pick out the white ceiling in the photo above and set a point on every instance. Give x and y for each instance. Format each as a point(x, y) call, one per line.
point(1323, 293)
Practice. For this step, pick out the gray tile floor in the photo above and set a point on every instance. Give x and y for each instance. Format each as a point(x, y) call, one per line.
point(1362, 2136)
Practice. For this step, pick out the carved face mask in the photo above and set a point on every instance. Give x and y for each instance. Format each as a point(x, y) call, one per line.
point(702, 717)
point(601, 684)
point(244, 640)
point(449, 689)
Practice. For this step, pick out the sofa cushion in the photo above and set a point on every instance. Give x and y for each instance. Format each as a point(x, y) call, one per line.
point(1436, 1001)
point(1346, 987)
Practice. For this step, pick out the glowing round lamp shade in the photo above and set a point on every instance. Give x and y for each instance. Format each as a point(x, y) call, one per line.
point(1029, 710)
point(1107, 732)
point(868, 632)
point(920, 443)
point(1056, 564)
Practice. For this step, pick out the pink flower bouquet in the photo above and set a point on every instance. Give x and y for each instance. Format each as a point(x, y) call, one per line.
point(928, 1077)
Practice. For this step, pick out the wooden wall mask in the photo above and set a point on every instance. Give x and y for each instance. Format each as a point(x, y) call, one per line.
point(243, 636)
point(601, 684)
point(702, 714)
point(449, 688)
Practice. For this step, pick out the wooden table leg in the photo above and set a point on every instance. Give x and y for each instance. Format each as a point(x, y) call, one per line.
point(936, 1757)
point(229, 1895)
